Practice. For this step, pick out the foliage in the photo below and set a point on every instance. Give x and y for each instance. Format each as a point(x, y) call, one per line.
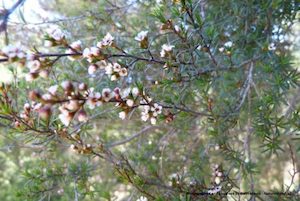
point(152, 100)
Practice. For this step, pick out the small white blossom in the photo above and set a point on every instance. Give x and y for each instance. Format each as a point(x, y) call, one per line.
point(48, 43)
point(65, 119)
point(217, 180)
point(142, 198)
point(92, 69)
point(123, 72)
point(221, 49)
point(228, 44)
point(177, 28)
point(117, 67)
point(44, 73)
point(144, 116)
point(101, 64)
point(53, 89)
point(130, 102)
point(56, 34)
point(166, 49)
point(141, 36)
point(106, 94)
point(122, 115)
point(109, 69)
point(76, 45)
point(94, 100)
point(215, 190)
point(107, 41)
point(153, 120)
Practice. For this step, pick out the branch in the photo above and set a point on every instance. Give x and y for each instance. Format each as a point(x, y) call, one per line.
point(126, 140)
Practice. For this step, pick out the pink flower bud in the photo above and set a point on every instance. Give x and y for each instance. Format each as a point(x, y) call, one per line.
point(45, 112)
point(82, 116)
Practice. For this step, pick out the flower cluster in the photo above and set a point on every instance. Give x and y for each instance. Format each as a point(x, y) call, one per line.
point(82, 149)
point(97, 60)
point(142, 37)
point(55, 37)
point(217, 174)
point(115, 71)
point(127, 99)
point(107, 41)
point(38, 67)
point(214, 190)
point(93, 54)
point(150, 110)
point(13, 53)
point(142, 198)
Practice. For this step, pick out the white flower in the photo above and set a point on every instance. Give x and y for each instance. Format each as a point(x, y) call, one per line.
point(135, 91)
point(146, 108)
point(90, 53)
point(94, 100)
point(21, 55)
point(101, 64)
point(82, 116)
point(46, 96)
point(53, 89)
point(142, 198)
point(106, 94)
point(92, 69)
point(108, 40)
point(166, 49)
point(76, 45)
point(86, 53)
point(123, 72)
point(13, 52)
point(113, 78)
point(72, 105)
point(122, 115)
point(95, 51)
point(34, 65)
point(177, 28)
point(30, 77)
point(65, 119)
point(217, 180)
point(117, 67)
point(228, 44)
point(153, 120)
point(109, 69)
point(56, 34)
point(215, 190)
point(130, 102)
point(272, 46)
point(48, 43)
point(44, 73)
point(156, 109)
point(125, 92)
point(144, 116)
point(37, 106)
point(30, 56)
point(221, 49)
point(141, 36)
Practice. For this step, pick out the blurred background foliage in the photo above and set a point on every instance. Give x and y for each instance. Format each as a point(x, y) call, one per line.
point(255, 143)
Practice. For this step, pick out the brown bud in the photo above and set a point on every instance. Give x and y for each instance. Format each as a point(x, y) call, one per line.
point(45, 112)
point(34, 95)
point(68, 86)
point(82, 116)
